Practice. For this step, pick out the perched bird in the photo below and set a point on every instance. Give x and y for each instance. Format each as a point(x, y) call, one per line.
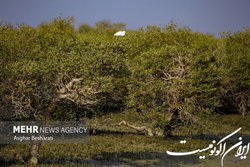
point(120, 33)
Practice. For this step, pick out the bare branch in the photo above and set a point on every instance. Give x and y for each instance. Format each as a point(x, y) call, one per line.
point(138, 128)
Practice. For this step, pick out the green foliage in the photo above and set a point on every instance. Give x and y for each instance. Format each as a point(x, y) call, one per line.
point(235, 63)
point(173, 70)
point(84, 28)
point(154, 71)
point(103, 27)
point(39, 62)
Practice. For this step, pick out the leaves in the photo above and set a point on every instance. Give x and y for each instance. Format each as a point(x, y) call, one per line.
point(153, 71)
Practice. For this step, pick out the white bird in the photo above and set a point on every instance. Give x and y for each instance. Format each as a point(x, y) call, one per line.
point(120, 33)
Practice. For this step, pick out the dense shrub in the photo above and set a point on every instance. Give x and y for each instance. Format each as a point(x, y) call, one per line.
point(176, 72)
point(235, 63)
point(158, 72)
point(38, 62)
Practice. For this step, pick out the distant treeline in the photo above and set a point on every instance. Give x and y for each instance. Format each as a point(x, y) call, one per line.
point(103, 26)
point(157, 72)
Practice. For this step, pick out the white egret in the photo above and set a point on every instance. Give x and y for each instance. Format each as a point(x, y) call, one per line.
point(120, 33)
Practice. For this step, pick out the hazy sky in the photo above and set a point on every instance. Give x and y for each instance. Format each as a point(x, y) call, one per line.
point(210, 16)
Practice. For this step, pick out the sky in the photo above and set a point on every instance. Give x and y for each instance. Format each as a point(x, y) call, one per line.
point(210, 16)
